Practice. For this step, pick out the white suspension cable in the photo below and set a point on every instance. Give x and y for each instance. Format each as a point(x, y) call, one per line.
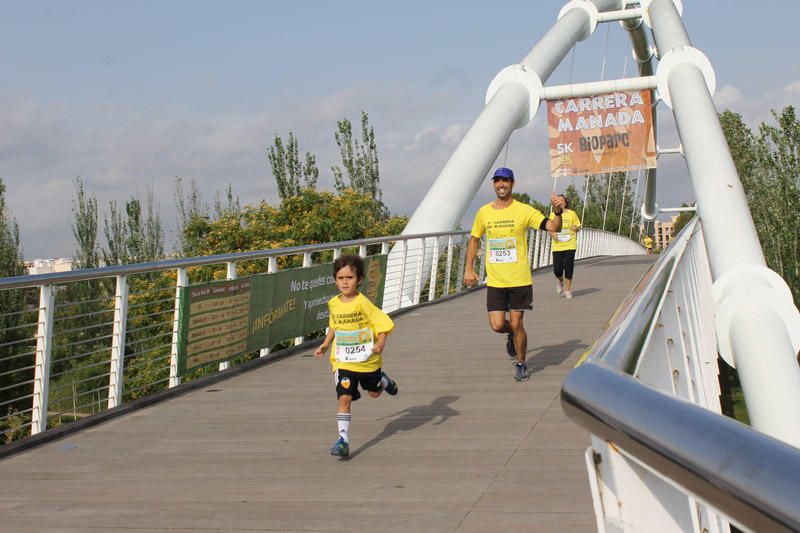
point(605, 53)
point(585, 198)
point(635, 199)
point(608, 195)
point(622, 206)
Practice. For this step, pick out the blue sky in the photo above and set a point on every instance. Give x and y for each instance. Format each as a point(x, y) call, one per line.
point(129, 95)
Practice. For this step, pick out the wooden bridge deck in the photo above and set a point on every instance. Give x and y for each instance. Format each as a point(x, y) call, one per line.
point(462, 447)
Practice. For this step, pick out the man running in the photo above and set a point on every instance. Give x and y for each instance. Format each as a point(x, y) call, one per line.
point(505, 222)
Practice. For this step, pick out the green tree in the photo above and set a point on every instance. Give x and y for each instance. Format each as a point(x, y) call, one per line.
point(84, 226)
point(359, 159)
point(310, 217)
point(116, 252)
point(288, 169)
point(190, 207)
point(523, 197)
point(769, 168)
point(229, 206)
point(683, 218)
point(130, 237)
point(14, 370)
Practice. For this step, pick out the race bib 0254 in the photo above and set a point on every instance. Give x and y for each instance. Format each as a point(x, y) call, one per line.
point(353, 346)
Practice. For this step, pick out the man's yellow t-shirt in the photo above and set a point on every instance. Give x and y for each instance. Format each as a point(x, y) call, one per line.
point(566, 239)
point(356, 324)
point(507, 249)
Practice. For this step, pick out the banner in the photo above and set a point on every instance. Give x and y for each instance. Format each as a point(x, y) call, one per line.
point(222, 319)
point(604, 133)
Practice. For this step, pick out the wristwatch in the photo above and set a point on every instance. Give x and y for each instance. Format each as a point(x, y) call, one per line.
point(557, 212)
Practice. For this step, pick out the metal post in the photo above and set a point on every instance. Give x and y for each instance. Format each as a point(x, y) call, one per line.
point(418, 274)
point(462, 259)
point(44, 343)
point(449, 267)
point(181, 282)
point(306, 264)
point(482, 260)
point(434, 270)
point(115, 376)
point(272, 267)
point(403, 262)
point(230, 274)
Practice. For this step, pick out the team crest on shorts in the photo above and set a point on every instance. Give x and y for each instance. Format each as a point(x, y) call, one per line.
point(345, 383)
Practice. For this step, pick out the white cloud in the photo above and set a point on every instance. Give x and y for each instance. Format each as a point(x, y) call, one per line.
point(119, 151)
point(727, 96)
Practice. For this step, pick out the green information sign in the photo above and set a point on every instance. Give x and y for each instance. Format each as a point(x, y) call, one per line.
point(222, 319)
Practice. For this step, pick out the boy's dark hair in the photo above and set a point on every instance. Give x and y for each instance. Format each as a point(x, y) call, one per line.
point(566, 202)
point(354, 261)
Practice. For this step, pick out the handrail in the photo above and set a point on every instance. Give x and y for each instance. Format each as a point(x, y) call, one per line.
point(620, 344)
point(16, 282)
point(751, 477)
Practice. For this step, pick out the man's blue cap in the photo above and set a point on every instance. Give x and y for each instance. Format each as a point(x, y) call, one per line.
point(503, 172)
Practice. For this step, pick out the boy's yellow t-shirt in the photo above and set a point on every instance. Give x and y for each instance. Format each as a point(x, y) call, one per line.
point(566, 239)
point(356, 324)
point(507, 246)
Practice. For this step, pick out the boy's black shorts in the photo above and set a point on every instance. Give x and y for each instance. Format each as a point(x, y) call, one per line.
point(509, 298)
point(348, 381)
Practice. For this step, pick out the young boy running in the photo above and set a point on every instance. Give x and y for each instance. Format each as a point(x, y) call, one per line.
point(358, 331)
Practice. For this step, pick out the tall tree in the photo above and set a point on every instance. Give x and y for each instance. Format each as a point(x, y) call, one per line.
point(114, 229)
point(769, 168)
point(13, 372)
point(84, 226)
point(11, 261)
point(359, 159)
point(609, 201)
point(153, 232)
point(131, 236)
point(228, 207)
point(682, 219)
point(190, 208)
point(289, 170)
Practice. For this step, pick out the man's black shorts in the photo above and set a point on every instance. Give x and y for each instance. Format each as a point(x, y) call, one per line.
point(509, 298)
point(348, 381)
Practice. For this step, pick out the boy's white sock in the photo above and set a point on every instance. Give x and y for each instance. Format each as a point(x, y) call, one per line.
point(343, 420)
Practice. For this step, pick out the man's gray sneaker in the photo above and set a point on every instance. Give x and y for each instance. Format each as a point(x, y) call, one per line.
point(521, 371)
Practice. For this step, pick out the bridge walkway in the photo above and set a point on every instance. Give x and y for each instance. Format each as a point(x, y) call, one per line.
point(462, 447)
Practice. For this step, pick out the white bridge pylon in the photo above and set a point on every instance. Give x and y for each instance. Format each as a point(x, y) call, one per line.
point(512, 101)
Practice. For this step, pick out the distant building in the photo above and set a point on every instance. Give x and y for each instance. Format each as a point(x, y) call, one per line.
point(662, 232)
point(48, 266)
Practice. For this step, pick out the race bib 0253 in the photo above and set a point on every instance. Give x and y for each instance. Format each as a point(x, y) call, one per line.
point(503, 250)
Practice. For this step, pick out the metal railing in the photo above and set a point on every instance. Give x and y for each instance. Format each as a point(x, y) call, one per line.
point(647, 390)
point(86, 341)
